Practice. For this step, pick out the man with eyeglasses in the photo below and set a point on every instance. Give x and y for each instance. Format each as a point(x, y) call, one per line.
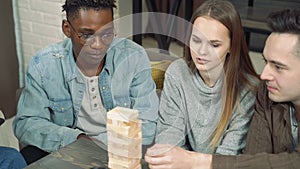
point(71, 85)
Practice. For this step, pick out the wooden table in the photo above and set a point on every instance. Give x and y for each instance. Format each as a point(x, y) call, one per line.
point(82, 154)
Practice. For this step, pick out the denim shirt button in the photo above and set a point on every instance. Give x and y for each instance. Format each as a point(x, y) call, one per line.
point(103, 88)
point(62, 109)
point(125, 104)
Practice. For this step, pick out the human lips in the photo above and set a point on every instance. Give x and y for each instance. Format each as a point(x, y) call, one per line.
point(271, 88)
point(96, 55)
point(201, 60)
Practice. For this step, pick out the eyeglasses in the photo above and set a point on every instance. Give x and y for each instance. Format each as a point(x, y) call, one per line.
point(87, 39)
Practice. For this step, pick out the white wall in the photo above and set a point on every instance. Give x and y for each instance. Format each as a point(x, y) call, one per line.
point(37, 24)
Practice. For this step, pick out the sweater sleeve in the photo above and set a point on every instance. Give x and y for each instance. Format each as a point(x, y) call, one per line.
point(171, 124)
point(234, 137)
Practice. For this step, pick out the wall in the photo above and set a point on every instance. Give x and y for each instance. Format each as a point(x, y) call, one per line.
point(38, 24)
point(8, 73)
point(8, 60)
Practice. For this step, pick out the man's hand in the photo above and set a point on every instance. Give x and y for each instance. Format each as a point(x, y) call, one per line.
point(167, 156)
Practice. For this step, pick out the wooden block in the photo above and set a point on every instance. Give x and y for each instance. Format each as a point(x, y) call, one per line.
point(124, 137)
point(133, 131)
point(123, 161)
point(118, 166)
point(123, 114)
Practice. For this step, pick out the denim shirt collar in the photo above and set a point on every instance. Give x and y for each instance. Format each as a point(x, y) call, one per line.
point(69, 67)
point(108, 66)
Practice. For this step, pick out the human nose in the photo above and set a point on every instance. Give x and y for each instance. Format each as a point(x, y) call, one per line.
point(266, 74)
point(203, 49)
point(97, 42)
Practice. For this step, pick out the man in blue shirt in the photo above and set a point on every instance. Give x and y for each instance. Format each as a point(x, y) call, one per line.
point(72, 84)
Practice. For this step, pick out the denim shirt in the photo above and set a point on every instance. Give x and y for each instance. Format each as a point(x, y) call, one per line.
point(50, 102)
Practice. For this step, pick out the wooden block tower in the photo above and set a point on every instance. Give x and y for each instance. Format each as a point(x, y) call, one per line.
point(124, 137)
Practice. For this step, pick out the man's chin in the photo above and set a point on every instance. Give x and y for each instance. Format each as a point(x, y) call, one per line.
point(275, 98)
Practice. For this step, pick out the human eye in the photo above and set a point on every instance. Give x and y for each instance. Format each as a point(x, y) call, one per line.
point(215, 45)
point(86, 36)
point(196, 39)
point(278, 67)
point(107, 34)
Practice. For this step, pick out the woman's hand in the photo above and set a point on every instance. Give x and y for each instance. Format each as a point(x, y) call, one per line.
point(164, 156)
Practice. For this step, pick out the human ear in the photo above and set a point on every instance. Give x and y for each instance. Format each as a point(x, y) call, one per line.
point(66, 28)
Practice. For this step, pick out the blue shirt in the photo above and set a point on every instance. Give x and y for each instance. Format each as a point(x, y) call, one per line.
point(53, 93)
point(11, 158)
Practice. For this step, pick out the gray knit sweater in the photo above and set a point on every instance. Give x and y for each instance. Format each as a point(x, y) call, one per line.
point(191, 110)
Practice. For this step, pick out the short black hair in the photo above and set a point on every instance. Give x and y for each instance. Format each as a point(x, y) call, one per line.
point(285, 21)
point(73, 6)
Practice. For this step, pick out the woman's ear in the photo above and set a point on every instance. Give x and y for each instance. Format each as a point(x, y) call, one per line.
point(66, 28)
